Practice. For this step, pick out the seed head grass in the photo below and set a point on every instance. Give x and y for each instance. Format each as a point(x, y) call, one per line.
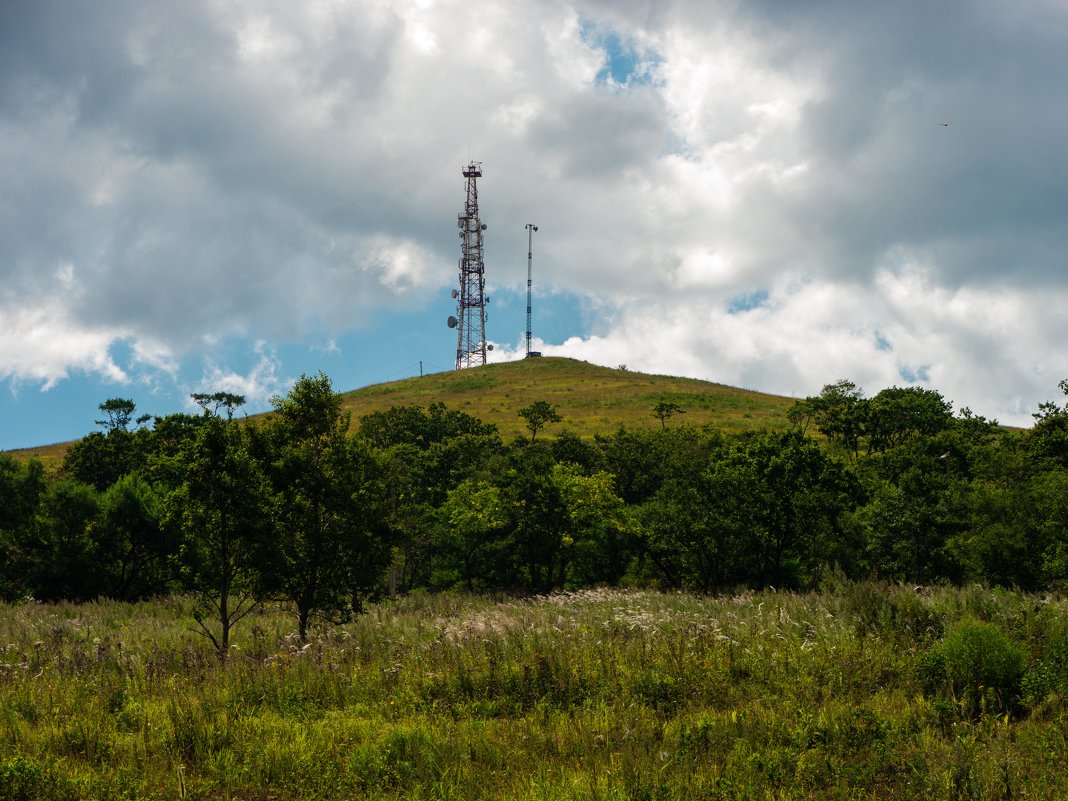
point(600, 694)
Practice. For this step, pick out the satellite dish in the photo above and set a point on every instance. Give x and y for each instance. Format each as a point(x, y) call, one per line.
point(487, 298)
point(483, 226)
point(460, 223)
point(489, 347)
point(461, 234)
point(455, 294)
point(452, 321)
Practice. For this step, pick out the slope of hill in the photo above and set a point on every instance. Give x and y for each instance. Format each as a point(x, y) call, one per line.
point(591, 399)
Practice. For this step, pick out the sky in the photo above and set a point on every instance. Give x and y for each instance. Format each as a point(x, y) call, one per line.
point(227, 194)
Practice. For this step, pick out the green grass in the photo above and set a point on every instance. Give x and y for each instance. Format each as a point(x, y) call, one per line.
point(591, 399)
point(603, 694)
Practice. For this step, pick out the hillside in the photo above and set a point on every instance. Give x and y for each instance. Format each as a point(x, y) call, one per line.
point(591, 399)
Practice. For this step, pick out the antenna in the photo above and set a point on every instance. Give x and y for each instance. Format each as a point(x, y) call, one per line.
point(470, 319)
point(531, 228)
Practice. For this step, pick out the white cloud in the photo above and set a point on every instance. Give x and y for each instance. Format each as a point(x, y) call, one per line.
point(258, 385)
point(189, 173)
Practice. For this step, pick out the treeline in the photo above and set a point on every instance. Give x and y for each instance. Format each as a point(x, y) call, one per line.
point(293, 507)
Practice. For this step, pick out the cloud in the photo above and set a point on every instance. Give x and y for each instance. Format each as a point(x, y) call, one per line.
point(257, 386)
point(759, 193)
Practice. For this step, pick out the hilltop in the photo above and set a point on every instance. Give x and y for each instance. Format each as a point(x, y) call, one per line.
point(591, 399)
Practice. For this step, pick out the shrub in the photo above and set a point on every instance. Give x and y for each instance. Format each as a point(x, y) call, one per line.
point(976, 665)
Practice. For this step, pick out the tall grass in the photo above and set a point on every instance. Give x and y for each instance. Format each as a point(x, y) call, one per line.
point(603, 694)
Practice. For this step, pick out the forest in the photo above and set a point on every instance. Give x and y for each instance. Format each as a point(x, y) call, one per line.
point(299, 508)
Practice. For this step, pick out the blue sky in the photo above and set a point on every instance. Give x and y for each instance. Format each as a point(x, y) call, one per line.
point(775, 195)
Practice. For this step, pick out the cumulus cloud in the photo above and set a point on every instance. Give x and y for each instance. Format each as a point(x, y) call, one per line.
point(760, 193)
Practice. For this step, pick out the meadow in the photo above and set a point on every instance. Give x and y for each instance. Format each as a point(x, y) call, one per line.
point(845, 693)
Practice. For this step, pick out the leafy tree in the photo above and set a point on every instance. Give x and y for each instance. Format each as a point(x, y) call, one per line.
point(471, 542)
point(788, 498)
point(63, 557)
point(212, 402)
point(538, 415)
point(664, 411)
point(420, 427)
point(134, 547)
point(22, 485)
point(598, 542)
point(119, 413)
point(839, 412)
point(897, 414)
point(223, 506)
point(332, 546)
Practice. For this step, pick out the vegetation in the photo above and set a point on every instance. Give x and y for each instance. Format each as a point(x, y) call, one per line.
point(616, 694)
point(270, 538)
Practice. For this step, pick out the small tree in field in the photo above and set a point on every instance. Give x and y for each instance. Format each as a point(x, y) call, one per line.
point(223, 508)
point(331, 546)
point(665, 410)
point(538, 415)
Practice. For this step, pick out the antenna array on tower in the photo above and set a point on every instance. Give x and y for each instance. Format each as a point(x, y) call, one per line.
point(470, 319)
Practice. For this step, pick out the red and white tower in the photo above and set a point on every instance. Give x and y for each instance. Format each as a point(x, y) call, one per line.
point(470, 320)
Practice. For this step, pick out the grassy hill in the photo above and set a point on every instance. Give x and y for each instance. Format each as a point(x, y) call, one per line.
point(591, 399)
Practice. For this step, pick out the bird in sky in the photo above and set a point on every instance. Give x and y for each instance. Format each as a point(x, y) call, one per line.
point(944, 124)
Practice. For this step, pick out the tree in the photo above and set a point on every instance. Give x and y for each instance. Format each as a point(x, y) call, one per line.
point(897, 414)
point(538, 415)
point(223, 506)
point(420, 427)
point(133, 545)
point(119, 413)
point(212, 402)
point(62, 555)
point(22, 485)
point(472, 537)
point(786, 499)
point(839, 413)
point(664, 410)
point(332, 547)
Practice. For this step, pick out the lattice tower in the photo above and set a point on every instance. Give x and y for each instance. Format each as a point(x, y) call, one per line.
point(470, 320)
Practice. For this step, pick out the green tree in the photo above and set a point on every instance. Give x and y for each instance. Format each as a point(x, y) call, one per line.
point(119, 413)
point(332, 543)
point(788, 499)
point(472, 540)
point(538, 415)
point(22, 485)
point(213, 402)
point(413, 425)
point(223, 506)
point(134, 548)
point(664, 411)
point(63, 557)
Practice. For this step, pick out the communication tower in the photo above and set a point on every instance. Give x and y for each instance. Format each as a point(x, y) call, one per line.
point(531, 228)
point(470, 319)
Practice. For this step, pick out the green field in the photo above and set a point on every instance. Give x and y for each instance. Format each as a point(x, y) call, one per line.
point(601, 694)
point(592, 399)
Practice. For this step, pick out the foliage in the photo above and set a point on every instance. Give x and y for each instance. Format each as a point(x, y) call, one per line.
point(976, 666)
point(538, 415)
point(329, 541)
point(223, 507)
point(593, 694)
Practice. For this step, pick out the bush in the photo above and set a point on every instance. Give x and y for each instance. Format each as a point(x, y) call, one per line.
point(977, 666)
point(22, 779)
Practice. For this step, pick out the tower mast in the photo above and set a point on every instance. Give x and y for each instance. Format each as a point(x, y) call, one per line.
point(531, 228)
point(470, 321)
